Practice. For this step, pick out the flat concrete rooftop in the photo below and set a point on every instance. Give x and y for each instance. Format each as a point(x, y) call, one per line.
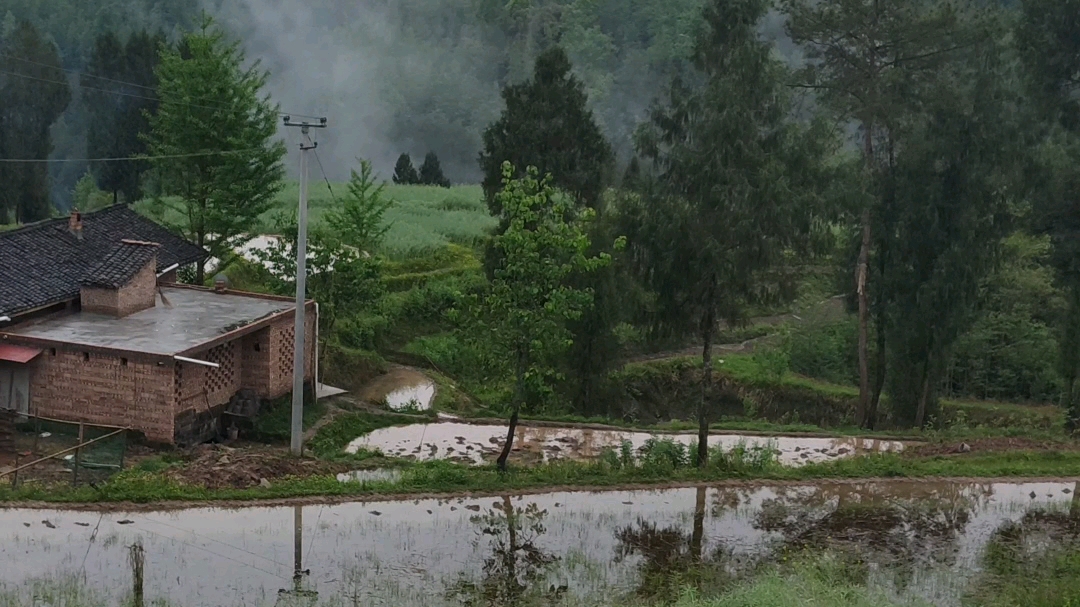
point(195, 317)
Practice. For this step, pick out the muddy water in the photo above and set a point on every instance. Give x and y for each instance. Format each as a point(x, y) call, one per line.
point(400, 388)
point(477, 444)
point(921, 540)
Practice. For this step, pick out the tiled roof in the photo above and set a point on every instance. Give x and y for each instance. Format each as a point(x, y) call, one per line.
point(120, 266)
point(43, 263)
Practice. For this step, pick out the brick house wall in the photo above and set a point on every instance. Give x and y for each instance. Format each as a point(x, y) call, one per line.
point(255, 362)
point(281, 334)
point(138, 294)
point(104, 389)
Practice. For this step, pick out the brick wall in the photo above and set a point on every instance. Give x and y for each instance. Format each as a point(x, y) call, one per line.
point(255, 362)
point(100, 301)
point(103, 389)
point(281, 352)
point(138, 294)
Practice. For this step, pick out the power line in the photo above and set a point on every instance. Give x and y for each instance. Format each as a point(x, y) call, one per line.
point(123, 94)
point(327, 180)
point(128, 158)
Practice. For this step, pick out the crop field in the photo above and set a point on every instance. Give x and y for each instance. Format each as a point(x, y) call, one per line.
point(422, 218)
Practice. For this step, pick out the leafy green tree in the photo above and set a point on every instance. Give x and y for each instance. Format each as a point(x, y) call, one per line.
point(431, 172)
point(340, 277)
point(870, 62)
point(220, 157)
point(522, 314)
point(360, 222)
point(547, 124)
point(1048, 36)
point(33, 94)
point(87, 197)
point(736, 187)
point(120, 98)
point(404, 171)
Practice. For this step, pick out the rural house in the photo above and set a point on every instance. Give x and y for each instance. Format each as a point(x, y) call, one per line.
point(95, 329)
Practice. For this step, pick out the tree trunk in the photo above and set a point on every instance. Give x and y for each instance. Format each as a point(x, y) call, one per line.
point(706, 388)
point(519, 395)
point(697, 539)
point(924, 395)
point(864, 321)
point(862, 272)
point(879, 381)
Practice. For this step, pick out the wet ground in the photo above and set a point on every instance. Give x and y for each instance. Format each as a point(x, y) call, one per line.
point(481, 443)
point(920, 540)
point(400, 388)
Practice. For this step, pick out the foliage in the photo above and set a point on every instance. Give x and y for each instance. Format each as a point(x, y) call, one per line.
point(736, 189)
point(120, 95)
point(404, 171)
point(956, 179)
point(33, 93)
point(547, 125)
point(230, 163)
point(431, 172)
point(522, 314)
point(87, 197)
point(360, 222)
point(826, 351)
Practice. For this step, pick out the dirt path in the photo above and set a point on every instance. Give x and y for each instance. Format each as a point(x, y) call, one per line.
point(397, 497)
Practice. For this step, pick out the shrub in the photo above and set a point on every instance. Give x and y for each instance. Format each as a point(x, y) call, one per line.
point(827, 351)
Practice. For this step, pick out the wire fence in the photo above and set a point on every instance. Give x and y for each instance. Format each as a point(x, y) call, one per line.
point(42, 449)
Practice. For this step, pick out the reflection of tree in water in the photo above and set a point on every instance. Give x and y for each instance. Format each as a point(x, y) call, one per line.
point(1035, 560)
point(900, 525)
point(673, 558)
point(514, 572)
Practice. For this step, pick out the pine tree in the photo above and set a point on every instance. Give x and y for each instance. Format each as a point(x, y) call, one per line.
point(431, 172)
point(736, 193)
point(870, 63)
point(1048, 37)
point(547, 124)
point(404, 171)
point(33, 94)
point(220, 157)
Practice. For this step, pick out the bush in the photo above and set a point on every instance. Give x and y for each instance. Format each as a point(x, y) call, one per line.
point(827, 351)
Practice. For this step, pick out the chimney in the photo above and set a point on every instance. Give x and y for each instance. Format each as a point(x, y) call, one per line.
point(75, 223)
point(221, 283)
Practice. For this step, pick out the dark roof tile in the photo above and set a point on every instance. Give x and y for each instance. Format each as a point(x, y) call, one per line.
point(43, 263)
point(126, 260)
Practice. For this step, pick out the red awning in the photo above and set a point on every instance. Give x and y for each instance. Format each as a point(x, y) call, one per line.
point(18, 354)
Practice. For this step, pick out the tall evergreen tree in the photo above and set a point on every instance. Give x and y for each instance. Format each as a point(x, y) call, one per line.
point(547, 124)
point(33, 94)
point(870, 63)
point(119, 98)
point(736, 186)
point(1048, 36)
point(219, 157)
point(404, 171)
point(431, 172)
point(957, 178)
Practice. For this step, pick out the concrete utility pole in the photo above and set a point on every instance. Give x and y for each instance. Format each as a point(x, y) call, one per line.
point(296, 444)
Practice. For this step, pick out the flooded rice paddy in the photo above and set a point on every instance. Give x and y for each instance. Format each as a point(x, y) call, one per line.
point(478, 444)
point(921, 540)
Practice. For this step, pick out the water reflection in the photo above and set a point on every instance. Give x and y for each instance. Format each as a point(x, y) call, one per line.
point(923, 540)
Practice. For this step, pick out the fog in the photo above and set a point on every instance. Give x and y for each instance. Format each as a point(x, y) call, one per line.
point(424, 75)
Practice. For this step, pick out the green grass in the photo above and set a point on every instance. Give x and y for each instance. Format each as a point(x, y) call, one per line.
point(423, 218)
point(446, 477)
point(331, 440)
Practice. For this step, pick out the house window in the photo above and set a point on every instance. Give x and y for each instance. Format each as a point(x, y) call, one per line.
point(52, 351)
point(123, 362)
point(257, 349)
point(85, 356)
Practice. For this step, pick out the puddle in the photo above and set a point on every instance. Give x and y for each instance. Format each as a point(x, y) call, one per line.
point(478, 444)
point(400, 388)
point(363, 476)
point(921, 541)
point(412, 397)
